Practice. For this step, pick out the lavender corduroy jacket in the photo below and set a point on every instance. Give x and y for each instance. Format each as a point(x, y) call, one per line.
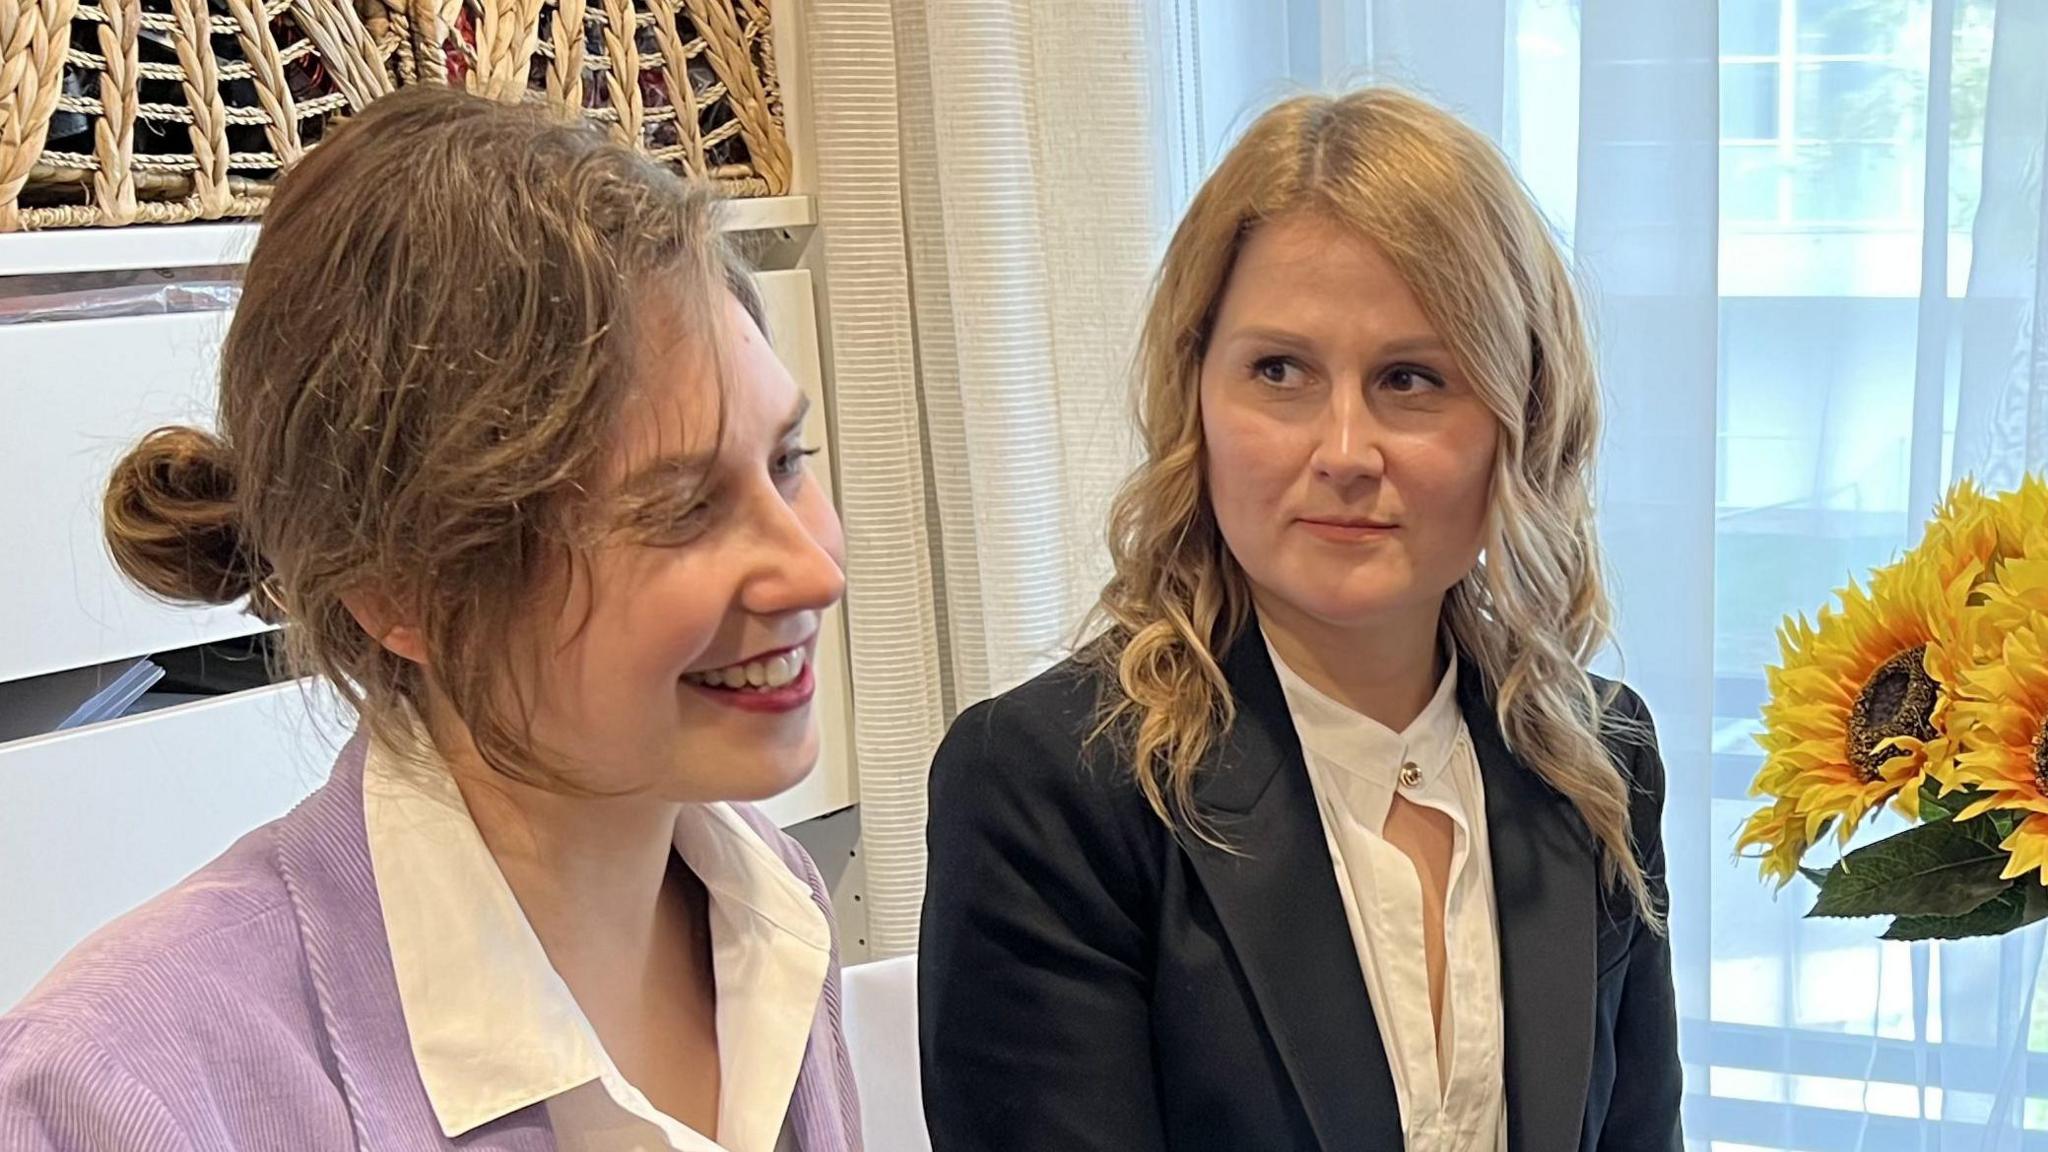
point(253, 1007)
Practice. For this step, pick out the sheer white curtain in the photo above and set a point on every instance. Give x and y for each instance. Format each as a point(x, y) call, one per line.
point(989, 206)
point(1798, 353)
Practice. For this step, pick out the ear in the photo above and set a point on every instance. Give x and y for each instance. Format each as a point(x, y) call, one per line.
point(378, 615)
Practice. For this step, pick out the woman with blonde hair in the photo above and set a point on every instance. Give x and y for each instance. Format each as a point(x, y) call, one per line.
point(1329, 841)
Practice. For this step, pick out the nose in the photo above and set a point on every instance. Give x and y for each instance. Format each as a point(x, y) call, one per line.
point(1348, 448)
point(798, 565)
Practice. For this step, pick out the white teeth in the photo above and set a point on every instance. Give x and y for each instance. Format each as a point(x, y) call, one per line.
point(774, 672)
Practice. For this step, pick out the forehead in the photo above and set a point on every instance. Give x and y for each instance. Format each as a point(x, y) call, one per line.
point(697, 374)
point(1305, 268)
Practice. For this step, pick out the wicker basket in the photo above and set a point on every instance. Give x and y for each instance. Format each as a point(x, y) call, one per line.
point(165, 111)
point(688, 82)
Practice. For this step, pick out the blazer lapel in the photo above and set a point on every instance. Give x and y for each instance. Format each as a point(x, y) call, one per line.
point(1545, 877)
point(1275, 891)
point(323, 855)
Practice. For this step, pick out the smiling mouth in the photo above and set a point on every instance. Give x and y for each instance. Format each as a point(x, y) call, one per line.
point(761, 674)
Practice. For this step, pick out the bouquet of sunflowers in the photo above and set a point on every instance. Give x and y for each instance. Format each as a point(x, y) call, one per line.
point(1924, 689)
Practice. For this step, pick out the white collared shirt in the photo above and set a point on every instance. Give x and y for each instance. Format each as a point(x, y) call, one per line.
point(494, 1028)
point(1456, 1103)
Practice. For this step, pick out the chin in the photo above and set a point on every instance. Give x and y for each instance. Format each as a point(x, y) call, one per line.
point(746, 771)
point(1346, 608)
point(772, 773)
point(775, 783)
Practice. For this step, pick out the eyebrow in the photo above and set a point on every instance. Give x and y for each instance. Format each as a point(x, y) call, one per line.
point(1267, 334)
point(683, 469)
point(797, 415)
point(1416, 346)
point(1406, 346)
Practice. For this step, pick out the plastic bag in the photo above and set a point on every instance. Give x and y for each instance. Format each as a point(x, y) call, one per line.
point(99, 295)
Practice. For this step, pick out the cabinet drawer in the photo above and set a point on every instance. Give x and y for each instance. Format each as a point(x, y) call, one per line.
point(96, 820)
point(77, 394)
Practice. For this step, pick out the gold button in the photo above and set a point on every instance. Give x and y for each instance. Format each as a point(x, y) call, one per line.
point(1411, 776)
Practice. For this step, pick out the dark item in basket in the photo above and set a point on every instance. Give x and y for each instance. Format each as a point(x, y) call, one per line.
point(691, 83)
point(168, 111)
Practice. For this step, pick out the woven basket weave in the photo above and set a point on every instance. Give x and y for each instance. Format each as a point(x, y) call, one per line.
point(688, 82)
point(165, 111)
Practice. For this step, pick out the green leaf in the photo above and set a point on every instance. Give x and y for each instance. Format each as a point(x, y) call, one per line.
point(1936, 807)
point(2021, 904)
point(1818, 876)
point(1942, 869)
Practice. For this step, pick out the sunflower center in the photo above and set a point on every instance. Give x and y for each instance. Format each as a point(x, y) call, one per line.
point(1897, 700)
point(2041, 757)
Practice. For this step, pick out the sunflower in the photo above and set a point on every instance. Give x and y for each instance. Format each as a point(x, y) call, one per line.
point(1854, 707)
point(2024, 507)
point(1968, 527)
point(2018, 593)
point(2001, 713)
point(1999, 717)
point(1999, 546)
point(1859, 707)
point(1961, 546)
point(1781, 836)
point(1971, 526)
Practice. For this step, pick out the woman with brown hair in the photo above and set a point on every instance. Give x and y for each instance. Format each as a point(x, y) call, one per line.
point(1329, 840)
point(504, 448)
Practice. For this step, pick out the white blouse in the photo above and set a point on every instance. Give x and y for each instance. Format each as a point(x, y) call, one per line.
point(1356, 767)
point(494, 1028)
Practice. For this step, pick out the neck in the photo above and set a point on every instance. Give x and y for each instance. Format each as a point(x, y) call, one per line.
point(1386, 669)
point(587, 871)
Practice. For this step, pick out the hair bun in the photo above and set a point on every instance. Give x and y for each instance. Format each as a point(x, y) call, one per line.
point(171, 519)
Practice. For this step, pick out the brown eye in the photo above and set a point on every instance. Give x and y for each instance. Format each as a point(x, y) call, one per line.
point(1278, 371)
point(1407, 381)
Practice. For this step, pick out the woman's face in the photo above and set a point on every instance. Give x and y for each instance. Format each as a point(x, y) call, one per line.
point(681, 664)
point(1349, 459)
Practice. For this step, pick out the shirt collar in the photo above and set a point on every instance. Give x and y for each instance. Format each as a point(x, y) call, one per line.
point(1359, 745)
point(493, 1027)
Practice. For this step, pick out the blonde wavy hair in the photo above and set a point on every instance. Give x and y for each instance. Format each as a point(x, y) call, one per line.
point(1441, 203)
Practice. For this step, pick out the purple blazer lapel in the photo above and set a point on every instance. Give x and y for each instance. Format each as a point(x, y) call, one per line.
point(323, 855)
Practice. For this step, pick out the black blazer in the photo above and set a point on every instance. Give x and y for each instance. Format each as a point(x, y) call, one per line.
point(1089, 982)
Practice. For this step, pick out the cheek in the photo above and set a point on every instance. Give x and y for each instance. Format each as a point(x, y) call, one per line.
point(653, 613)
point(1451, 484)
point(1251, 465)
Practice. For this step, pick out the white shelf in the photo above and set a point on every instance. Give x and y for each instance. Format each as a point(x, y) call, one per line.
point(201, 245)
point(767, 213)
point(114, 249)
